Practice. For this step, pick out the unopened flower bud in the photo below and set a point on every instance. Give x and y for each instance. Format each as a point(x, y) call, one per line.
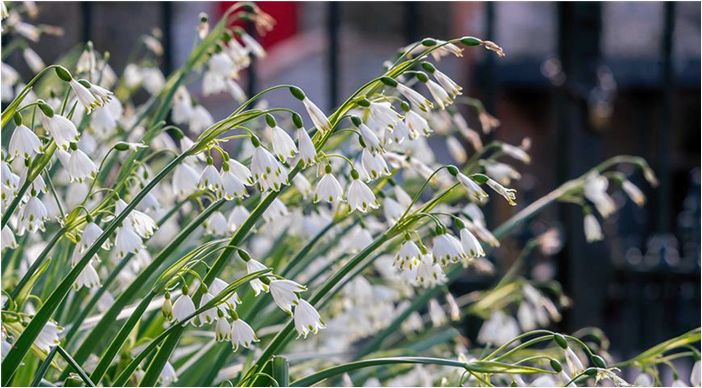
point(297, 93)
point(167, 307)
point(560, 340)
point(63, 73)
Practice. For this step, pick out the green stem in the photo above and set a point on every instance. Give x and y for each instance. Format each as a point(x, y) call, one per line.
point(108, 318)
point(340, 369)
point(25, 340)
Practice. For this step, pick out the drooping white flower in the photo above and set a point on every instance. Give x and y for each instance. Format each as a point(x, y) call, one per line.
point(437, 315)
point(402, 197)
point(634, 193)
point(471, 245)
point(316, 115)
point(328, 188)
point(456, 150)
point(360, 196)
point(267, 170)
point(210, 178)
point(9, 179)
point(221, 64)
point(102, 95)
point(84, 96)
point(62, 130)
point(49, 336)
point(252, 45)
point(238, 216)
point(441, 97)
point(218, 285)
point(392, 210)
point(284, 293)
point(242, 172)
point(374, 164)
point(475, 192)
point(447, 248)
point(275, 211)
point(168, 375)
point(34, 61)
point(258, 286)
point(217, 224)
point(283, 145)
point(232, 186)
point(127, 241)
point(573, 363)
point(428, 273)
point(104, 119)
point(416, 99)
point(509, 194)
point(644, 380)
point(359, 239)
point(142, 223)
point(24, 142)
point(80, 167)
point(200, 119)
point(593, 231)
point(8, 238)
point(183, 307)
point(87, 278)
point(595, 190)
point(208, 316)
point(242, 334)
point(307, 319)
point(499, 329)
point(399, 132)
point(182, 106)
point(501, 172)
point(516, 153)
point(451, 87)
point(382, 116)
point(33, 215)
point(696, 374)
point(302, 185)
point(370, 139)
point(152, 79)
point(223, 330)
point(417, 124)
point(185, 180)
point(408, 256)
point(91, 232)
point(308, 154)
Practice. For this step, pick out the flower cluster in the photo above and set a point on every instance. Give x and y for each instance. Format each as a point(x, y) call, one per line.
point(113, 207)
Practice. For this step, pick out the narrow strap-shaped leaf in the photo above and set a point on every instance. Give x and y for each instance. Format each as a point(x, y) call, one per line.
point(217, 299)
point(75, 366)
point(41, 371)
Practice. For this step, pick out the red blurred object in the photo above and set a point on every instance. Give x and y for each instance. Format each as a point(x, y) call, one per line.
point(285, 14)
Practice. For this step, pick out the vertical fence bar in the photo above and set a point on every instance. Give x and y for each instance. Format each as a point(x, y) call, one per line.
point(411, 11)
point(167, 40)
point(86, 10)
point(251, 79)
point(584, 267)
point(333, 21)
point(663, 196)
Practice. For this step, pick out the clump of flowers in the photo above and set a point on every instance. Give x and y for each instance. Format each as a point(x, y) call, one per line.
point(201, 243)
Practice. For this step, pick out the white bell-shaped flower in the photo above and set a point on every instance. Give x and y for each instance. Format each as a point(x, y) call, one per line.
point(360, 197)
point(307, 319)
point(24, 143)
point(267, 170)
point(242, 334)
point(284, 293)
point(328, 188)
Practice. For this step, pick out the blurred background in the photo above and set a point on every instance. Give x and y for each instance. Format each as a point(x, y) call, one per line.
point(583, 81)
